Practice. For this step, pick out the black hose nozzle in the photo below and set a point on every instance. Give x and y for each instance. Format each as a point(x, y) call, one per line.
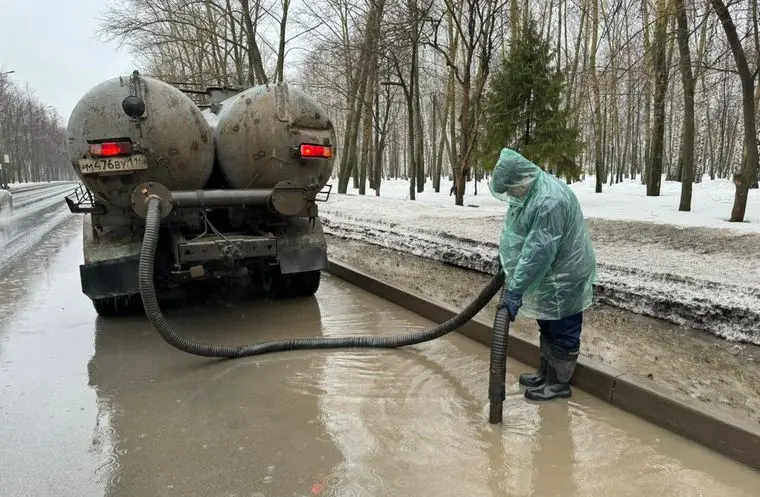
point(498, 368)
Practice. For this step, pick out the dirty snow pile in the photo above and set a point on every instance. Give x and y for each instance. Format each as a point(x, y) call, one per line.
point(653, 259)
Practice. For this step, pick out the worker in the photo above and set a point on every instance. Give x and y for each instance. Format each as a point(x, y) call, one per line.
point(549, 264)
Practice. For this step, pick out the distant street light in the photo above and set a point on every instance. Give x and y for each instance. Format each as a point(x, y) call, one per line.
point(6, 72)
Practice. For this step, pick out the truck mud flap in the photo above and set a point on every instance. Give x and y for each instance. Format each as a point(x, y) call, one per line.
point(110, 278)
point(303, 247)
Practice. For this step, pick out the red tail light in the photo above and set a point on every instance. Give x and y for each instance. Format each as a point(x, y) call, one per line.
point(315, 151)
point(110, 149)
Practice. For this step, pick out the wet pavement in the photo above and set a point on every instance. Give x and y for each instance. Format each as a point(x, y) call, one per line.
point(36, 211)
point(93, 407)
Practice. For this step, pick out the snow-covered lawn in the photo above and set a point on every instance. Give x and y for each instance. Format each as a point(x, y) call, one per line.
point(711, 202)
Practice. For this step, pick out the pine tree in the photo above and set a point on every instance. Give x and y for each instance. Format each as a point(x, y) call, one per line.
point(524, 111)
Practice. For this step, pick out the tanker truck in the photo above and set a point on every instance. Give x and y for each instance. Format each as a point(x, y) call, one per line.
point(238, 179)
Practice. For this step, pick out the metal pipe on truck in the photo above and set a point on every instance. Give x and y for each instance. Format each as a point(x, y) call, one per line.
point(220, 198)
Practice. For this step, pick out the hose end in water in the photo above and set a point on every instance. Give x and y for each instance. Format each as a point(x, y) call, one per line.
point(498, 366)
point(496, 412)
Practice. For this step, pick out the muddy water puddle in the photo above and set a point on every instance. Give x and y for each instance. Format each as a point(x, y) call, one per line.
point(91, 406)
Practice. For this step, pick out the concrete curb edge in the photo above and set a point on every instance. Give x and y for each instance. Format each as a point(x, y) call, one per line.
point(728, 435)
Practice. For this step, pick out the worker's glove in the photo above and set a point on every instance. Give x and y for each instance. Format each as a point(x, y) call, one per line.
point(512, 301)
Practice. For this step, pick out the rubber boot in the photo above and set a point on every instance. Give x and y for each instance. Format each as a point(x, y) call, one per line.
point(557, 385)
point(537, 379)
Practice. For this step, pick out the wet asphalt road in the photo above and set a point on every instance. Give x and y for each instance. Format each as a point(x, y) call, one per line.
point(92, 407)
point(37, 210)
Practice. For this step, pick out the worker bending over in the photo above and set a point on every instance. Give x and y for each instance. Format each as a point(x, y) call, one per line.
point(550, 267)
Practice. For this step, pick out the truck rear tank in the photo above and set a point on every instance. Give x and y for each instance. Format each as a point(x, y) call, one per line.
point(238, 179)
point(131, 130)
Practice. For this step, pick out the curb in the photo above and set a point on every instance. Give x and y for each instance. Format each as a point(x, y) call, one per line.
point(728, 435)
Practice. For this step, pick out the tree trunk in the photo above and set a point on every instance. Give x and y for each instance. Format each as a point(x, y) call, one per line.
point(257, 75)
point(418, 125)
point(438, 146)
point(647, 96)
point(598, 157)
point(749, 170)
point(514, 19)
point(280, 76)
point(687, 144)
point(366, 159)
point(463, 168)
point(410, 145)
point(451, 143)
point(660, 88)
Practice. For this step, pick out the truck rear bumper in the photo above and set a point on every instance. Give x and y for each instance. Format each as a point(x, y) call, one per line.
point(232, 246)
point(110, 278)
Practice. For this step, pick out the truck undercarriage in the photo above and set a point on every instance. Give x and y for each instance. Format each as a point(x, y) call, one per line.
point(267, 252)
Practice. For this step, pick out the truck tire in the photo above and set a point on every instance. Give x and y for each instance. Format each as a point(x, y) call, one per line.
point(112, 307)
point(297, 285)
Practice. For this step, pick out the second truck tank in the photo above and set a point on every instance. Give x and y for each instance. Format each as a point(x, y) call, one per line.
point(262, 129)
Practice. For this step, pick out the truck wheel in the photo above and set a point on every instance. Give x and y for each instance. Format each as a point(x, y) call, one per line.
point(298, 284)
point(111, 307)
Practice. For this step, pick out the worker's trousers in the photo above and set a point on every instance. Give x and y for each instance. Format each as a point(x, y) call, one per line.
point(565, 332)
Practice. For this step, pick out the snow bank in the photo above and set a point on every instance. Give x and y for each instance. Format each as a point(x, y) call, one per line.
point(723, 300)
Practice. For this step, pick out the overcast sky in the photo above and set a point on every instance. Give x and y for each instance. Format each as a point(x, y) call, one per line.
point(52, 46)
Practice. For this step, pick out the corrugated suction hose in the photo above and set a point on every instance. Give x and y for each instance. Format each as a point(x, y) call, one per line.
point(156, 318)
point(498, 365)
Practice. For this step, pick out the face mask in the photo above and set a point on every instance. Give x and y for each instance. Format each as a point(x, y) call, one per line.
point(518, 191)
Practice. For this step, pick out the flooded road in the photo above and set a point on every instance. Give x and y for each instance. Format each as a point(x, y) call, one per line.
point(90, 406)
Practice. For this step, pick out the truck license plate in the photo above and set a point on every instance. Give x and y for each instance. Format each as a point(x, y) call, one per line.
point(113, 164)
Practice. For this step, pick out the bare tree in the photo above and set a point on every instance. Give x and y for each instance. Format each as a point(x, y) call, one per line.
point(654, 173)
point(748, 174)
point(598, 155)
point(476, 21)
point(687, 77)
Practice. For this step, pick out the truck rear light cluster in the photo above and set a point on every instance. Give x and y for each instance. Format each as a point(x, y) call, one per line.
point(309, 151)
point(110, 149)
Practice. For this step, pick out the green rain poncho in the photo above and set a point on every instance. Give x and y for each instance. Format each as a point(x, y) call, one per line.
point(545, 247)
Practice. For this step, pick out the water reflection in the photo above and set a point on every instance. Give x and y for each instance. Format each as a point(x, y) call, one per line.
point(193, 426)
point(553, 461)
point(46, 408)
point(404, 420)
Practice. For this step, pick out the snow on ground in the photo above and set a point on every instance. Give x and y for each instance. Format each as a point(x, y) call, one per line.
point(712, 201)
point(684, 275)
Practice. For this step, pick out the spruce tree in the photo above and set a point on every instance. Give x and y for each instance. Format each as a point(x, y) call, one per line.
point(523, 109)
